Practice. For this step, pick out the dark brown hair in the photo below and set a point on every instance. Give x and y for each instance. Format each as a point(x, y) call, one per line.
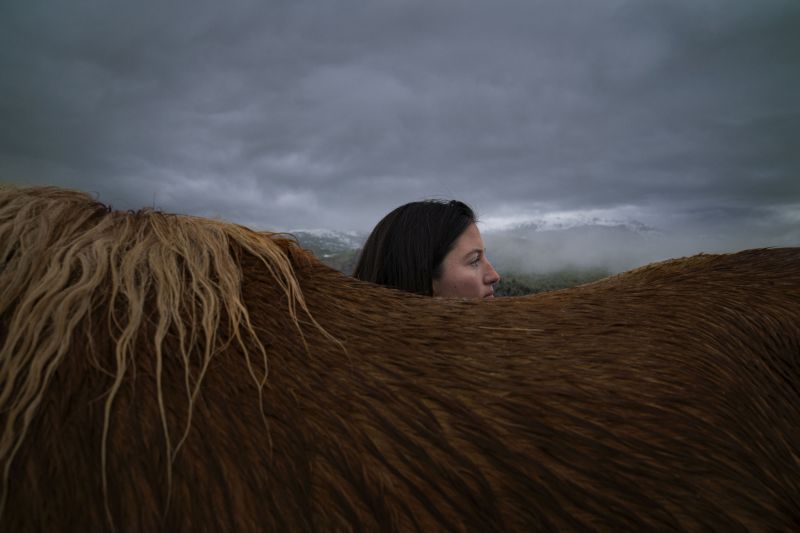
point(406, 248)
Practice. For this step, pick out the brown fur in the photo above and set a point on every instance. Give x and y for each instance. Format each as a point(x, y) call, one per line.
point(666, 397)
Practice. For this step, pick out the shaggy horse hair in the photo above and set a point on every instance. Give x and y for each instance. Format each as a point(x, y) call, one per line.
point(172, 372)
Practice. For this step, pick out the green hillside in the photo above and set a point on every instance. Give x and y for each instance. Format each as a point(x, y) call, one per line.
point(515, 284)
point(344, 261)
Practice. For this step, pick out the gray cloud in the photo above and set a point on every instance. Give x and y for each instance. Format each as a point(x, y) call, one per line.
point(303, 114)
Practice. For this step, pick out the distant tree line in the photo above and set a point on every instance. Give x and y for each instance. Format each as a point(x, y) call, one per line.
point(517, 284)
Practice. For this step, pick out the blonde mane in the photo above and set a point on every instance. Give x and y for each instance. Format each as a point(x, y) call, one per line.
point(65, 255)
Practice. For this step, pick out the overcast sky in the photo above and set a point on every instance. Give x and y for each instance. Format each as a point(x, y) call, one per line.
point(681, 114)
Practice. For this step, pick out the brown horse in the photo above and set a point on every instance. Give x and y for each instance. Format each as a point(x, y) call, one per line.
point(171, 372)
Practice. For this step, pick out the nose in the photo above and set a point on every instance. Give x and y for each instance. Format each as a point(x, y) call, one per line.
point(491, 277)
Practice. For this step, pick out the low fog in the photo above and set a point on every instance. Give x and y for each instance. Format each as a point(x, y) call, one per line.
point(613, 248)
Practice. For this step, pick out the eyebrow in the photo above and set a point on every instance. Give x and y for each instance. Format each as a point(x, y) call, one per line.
point(476, 250)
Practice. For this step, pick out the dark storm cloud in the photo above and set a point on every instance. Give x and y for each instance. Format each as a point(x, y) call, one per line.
point(307, 114)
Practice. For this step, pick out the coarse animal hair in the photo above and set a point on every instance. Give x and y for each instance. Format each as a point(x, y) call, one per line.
point(171, 372)
point(60, 248)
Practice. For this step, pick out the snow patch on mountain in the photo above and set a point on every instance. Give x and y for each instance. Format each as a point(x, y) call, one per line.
point(326, 242)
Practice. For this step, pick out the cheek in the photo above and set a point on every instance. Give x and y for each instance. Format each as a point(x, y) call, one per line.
point(467, 282)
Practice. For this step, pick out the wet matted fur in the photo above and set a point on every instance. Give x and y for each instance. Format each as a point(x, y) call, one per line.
point(134, 388)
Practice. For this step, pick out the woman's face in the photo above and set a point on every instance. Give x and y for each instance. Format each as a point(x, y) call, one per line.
point(466, 273)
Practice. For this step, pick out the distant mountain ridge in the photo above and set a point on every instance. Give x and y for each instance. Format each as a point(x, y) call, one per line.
point(337, 249)
point(326, 242)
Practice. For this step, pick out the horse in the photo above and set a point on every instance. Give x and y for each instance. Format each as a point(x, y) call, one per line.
point(172, 372)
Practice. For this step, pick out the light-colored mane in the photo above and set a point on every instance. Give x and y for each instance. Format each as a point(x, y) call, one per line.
point(66, 255)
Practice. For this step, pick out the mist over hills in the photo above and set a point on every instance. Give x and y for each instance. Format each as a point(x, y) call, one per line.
point(541, 255)
point(533, 247)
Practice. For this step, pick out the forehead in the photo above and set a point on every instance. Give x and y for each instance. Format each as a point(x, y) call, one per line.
point(469, 240)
